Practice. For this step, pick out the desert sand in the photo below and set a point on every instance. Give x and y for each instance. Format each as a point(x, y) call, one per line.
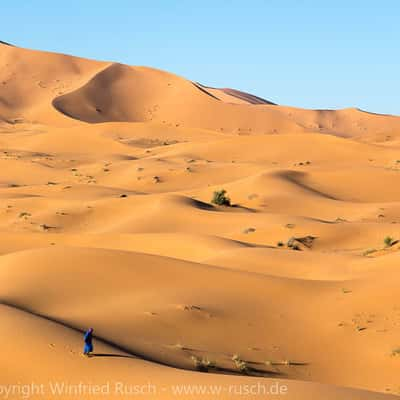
point(106, 180)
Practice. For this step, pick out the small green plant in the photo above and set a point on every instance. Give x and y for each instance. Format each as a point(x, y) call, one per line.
point(203, 364)
point(360, 328)
point(208, 363)
point(291, 242)
point(240, 364)
point(46, 227)
point(388, 241)
point(283, 362)
point(396, 352)
point(220, 198)
point(368, 252)
point(196, 362)
point(24, 215)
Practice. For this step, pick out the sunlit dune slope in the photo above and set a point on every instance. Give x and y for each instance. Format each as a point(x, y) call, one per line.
point(107, 178)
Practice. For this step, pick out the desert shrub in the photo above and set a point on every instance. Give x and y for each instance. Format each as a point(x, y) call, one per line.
point(280, 244)
point(240, 364)
point(220, 198)
point(388, 241)
point(203, 364)
point(368, 252)
point(291, 242)
point(396, 352)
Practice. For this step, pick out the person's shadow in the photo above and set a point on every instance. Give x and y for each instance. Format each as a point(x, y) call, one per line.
point(111, 355)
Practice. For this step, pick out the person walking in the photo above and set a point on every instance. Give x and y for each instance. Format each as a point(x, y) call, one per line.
point(88, 338)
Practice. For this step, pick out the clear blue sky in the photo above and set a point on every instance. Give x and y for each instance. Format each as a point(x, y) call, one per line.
point(313, 54)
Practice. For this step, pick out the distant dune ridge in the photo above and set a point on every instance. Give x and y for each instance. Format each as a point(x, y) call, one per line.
point(107, 175)
point(232, 95)
point(97, 92)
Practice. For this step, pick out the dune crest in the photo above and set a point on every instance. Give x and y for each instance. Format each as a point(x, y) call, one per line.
point(233, 96)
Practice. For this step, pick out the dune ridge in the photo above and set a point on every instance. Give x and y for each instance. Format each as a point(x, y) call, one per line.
point(233, 95)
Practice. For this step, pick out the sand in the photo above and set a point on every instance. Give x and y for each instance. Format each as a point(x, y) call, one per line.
point(107, 172)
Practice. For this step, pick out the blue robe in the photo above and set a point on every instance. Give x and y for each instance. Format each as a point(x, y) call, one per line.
point(88, 343)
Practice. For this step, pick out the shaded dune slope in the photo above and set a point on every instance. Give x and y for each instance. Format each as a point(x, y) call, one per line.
point(233, 96)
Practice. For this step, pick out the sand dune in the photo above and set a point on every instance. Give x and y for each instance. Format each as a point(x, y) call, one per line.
point(107, 172)
point(233, 96)
point(54, 346)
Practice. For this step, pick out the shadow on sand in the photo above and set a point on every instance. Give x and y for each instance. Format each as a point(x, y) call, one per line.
point(112, 355)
